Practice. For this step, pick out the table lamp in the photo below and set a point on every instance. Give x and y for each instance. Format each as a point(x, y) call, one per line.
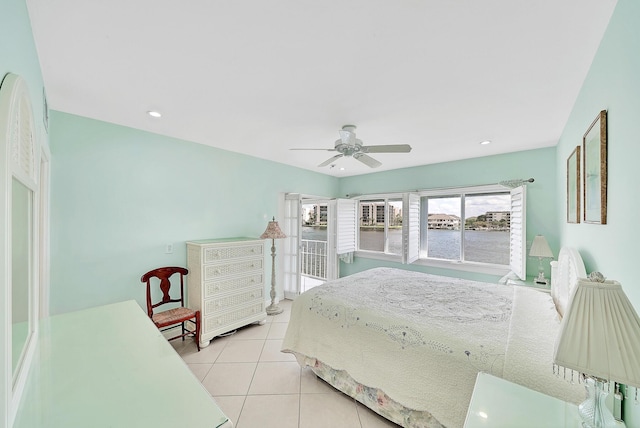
point(540, 249)
point(600, 338)
point(273, 232)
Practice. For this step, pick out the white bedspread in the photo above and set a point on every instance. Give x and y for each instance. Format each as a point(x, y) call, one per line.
point(529, 357)
point(420, 338)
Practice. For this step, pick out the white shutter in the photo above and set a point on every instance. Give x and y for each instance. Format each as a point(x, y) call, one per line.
point(518, 242)
point(291, 226)
point(410, 227)
point(347, 225)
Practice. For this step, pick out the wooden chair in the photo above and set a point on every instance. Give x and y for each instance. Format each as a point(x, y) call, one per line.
point(170, 318)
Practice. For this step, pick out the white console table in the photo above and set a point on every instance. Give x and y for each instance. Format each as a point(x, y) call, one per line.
point(109, 366)
point(497, 403)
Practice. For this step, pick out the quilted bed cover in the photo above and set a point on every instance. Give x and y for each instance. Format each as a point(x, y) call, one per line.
point(422, 339)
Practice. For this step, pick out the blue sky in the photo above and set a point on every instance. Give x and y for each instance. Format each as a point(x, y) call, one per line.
point(475, 205)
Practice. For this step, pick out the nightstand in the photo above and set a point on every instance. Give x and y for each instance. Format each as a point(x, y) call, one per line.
point(530, 282)
point(497, 403)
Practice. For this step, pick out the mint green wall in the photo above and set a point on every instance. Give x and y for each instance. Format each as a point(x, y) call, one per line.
point(613, 84)
point(119, 195)
point(17, 55)
point(541, 194)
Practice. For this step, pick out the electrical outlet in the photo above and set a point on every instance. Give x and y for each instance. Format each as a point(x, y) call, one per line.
point(168, 249)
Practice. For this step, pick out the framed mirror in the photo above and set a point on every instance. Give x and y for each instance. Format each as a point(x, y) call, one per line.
point(19, 187)
point(21, 271)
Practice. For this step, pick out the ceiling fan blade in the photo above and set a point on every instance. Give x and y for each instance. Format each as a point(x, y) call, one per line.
point(367, 160)
point(327, 150)
point(390, 148)
point(328, 161)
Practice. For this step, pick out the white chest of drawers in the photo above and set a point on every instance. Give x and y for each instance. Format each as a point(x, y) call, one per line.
point(226, 283)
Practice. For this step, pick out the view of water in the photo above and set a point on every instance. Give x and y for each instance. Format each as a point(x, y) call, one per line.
point(314, 233)
point(480, 246)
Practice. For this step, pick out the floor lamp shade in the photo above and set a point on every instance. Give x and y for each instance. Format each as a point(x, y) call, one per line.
point(273, 232)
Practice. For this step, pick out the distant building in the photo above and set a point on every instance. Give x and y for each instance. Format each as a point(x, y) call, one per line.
point(372, 213)
point(443, 221)
point(498, 216)
point(316, 215)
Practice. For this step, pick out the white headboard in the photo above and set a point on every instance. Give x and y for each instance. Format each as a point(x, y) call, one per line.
point(564, 276)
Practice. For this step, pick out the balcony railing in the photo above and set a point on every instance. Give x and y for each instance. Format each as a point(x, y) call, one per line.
point(313, 255)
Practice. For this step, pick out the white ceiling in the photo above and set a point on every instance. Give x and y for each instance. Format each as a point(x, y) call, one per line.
point(260, 77)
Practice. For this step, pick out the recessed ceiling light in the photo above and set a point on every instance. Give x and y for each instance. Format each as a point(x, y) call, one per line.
point(485, 142)
point(154, 113)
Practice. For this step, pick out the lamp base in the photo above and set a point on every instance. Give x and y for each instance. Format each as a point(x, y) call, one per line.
point(593, 411)
point(541, 280)
point(274, 309)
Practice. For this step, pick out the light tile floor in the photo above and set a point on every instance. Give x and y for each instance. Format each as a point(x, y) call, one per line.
point(257, 386)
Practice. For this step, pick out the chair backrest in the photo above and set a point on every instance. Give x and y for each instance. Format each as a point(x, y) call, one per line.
point(164, 274)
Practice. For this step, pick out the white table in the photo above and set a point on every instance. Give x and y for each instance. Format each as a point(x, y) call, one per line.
point(498, 403)
point(531, 283)
point(110, 367)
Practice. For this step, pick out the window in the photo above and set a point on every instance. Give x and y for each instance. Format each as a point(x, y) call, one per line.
point(480, 228)
point(467, 227)
point(380, 226)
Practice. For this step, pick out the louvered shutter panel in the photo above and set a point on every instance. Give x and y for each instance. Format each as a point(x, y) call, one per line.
point(518, 241)
point(347, 221)
point(411, 228)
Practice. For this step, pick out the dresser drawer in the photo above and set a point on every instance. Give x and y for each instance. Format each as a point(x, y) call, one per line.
point(218, 320)
point(232, 268)
point(212, 288)
point(217, 254)
point(230, 300)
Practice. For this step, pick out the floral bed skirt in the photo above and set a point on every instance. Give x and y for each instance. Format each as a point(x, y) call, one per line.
point(373, 398)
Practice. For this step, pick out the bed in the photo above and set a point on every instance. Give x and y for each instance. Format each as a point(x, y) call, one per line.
point(409, 345)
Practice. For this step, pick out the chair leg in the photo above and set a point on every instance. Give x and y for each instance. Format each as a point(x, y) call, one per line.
point(183, 331)
point(198, 330)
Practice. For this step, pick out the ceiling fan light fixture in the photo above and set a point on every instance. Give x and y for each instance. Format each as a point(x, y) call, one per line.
point(350, 146)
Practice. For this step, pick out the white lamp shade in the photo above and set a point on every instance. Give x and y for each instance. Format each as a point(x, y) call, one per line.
point(600, 334)
point(540, 247)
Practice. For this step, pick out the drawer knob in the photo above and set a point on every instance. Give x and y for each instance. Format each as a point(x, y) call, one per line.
point(217, 271)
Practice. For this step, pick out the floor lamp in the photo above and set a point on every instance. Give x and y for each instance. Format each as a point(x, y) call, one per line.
point(273, 232)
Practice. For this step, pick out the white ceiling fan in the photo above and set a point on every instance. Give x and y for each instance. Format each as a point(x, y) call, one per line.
point(349, 145)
